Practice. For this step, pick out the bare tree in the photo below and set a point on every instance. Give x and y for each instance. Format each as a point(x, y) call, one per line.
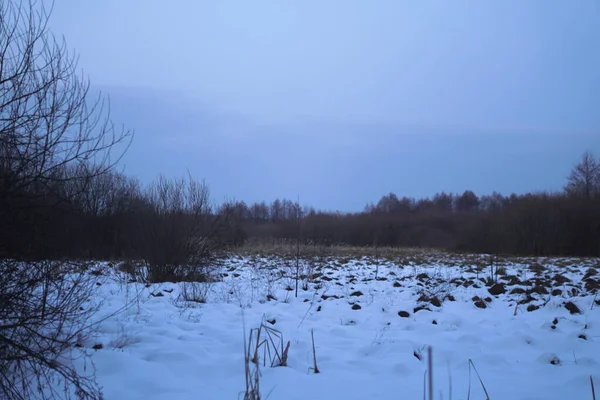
point(468, 201)
point(584, 180)
point(51, 132)
point(443, 201)
point(47, 119)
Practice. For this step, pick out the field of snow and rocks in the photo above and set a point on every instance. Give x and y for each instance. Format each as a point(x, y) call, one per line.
point(516, 328)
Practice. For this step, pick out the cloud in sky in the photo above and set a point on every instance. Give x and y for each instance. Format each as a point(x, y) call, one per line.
point(345, 100)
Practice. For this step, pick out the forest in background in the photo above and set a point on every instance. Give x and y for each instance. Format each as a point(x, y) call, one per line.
point(109, 215)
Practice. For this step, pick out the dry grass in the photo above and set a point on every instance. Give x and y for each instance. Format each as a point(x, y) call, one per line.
point(252, 375)
point(285, 247)
point(270, 342)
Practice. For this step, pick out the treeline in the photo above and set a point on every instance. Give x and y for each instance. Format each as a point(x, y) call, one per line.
point(107, 216)
point(112, 216)
point(560, 223)
point(532, 224)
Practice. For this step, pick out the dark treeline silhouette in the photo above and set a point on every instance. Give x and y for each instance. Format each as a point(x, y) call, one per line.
point(561, 223)
point(112, 216)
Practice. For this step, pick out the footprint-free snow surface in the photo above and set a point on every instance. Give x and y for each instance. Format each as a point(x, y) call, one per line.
point(530, 329)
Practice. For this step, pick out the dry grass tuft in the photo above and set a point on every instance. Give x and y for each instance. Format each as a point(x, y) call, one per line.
point(472, 365)
point(285, 247)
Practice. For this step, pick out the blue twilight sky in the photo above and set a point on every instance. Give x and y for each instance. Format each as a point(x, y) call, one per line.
point(342, 101)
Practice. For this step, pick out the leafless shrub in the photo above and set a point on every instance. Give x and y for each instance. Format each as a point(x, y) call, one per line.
point(46, 311)
point(123, 339)
point(196, 292)
point(179, 243)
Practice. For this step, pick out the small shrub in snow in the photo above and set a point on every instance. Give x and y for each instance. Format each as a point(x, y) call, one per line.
point(123, 340)
point(268, 342)
point(196, 292)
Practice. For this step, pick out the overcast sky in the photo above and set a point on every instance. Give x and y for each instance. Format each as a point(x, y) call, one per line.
point(344, 101)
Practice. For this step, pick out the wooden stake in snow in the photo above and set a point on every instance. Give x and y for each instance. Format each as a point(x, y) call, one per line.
point(298, 244)
point(430, 372)
point(316, 369)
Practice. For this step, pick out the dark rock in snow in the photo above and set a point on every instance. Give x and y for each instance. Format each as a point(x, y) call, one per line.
point(592, 285)
point(421, 308)
point(538, 289)
point(478, 302)
point(497, 289)
point(572, 307)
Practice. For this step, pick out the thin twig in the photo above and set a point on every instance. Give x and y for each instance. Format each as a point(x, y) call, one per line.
point(487, 396)
point(316, 369)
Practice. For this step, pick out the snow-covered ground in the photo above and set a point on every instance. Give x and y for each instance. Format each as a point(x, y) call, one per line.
point(370, 343)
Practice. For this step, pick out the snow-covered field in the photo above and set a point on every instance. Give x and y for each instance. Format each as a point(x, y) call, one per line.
point(373, 322)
